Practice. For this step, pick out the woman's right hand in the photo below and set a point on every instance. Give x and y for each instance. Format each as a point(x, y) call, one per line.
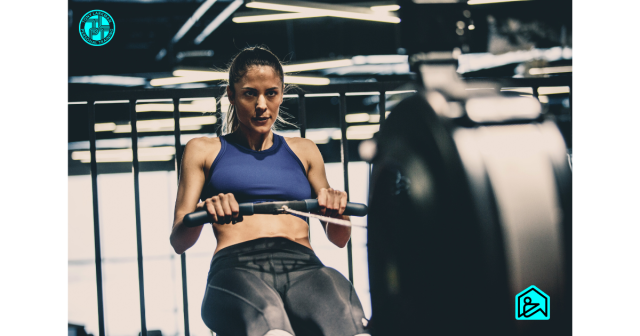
point(222, 208)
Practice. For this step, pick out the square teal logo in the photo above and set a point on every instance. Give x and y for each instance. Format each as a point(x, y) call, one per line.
point(533, 304)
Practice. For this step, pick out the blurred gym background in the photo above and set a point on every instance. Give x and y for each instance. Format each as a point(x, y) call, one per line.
point(188, 43)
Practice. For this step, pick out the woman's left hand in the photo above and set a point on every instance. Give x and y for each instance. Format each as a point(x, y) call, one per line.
point(332, 202)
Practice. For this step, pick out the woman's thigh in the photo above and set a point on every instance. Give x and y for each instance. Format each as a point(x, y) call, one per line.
point(238, 303)
point(324, 302)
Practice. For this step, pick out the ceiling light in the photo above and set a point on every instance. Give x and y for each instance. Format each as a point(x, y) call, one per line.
point(310, 7)
point(201, 105)
point(194, 76)
point(127, 129)
point(167, 125)
point(387, 8)
point(550, 70)
point(105, 127)
point(357, 117)
point(546, 90)
point(126, 155)
point(482, 2)
point(306, 80)
point(528, 90)
point(317, 65)
point(192, 20)
point(360, 132)
point(109, 80)
point(223, 16)
point(274, 17)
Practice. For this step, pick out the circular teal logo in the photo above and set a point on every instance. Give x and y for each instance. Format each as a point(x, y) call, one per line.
point(97, 27)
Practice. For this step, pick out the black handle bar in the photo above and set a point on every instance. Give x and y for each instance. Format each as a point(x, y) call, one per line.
point(200, 217)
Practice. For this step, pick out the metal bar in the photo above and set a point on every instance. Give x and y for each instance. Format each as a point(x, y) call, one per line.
point(136, 186)
point(183, 257)
point(345, 168)
point(302, 114)
point(571, 115)
point(96, 215)
point(382, 107)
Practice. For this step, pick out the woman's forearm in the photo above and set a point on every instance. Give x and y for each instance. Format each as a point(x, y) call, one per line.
point(183, 237)
point(339, 235)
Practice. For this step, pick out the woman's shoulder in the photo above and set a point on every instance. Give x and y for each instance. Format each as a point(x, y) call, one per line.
point(300, 143)
point(203, 146)
point(204, 141)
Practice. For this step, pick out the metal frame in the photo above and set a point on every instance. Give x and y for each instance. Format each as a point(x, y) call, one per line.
point(176, 94)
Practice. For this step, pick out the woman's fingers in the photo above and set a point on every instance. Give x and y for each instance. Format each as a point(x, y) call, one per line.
point(331, 202)
point(223, 208)
point(235, 209)
point(211, 208)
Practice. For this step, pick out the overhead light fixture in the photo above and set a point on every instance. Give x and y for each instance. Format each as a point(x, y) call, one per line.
point(306, 80)
point(200, 105)
point(105, 127)
point(192, 77)
point(360, 132)
point(547, 90)
point(387, 8)
point(550, 70)
point(165, 125)
point(109, 80)
point(204, 76)
point(320, 9)
point(273, 17)
point(192, 20)
point(126, 155)
point(482, 2)
point(223, 16)
point(357, 117)
point(528, 90)
point(317, 65)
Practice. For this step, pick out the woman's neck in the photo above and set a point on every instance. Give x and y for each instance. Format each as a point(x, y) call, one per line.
point(257, 142)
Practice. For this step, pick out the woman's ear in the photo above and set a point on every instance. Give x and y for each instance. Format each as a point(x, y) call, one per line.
point(230, 95)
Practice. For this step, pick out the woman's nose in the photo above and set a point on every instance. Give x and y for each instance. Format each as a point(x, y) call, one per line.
point(261, 104)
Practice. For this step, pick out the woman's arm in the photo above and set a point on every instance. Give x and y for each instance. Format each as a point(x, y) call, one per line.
point(332, 202)
point(192, 178)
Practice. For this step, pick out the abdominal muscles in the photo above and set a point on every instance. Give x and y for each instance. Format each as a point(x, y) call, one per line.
point(261, 226)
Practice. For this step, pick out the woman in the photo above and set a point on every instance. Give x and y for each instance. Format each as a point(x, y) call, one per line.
point(265, 278)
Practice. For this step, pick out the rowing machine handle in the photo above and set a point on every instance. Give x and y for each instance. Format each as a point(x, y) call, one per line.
point(200, 217)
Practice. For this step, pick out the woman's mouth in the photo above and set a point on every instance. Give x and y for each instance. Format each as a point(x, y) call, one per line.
point(260, 119)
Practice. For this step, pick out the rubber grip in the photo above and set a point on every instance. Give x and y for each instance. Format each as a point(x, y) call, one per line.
point(352, 209)
point(201, 217)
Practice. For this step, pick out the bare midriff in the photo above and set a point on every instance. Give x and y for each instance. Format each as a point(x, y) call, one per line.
point(262, 226)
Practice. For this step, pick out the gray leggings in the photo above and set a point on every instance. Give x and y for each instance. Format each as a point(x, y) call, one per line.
point(274, 283)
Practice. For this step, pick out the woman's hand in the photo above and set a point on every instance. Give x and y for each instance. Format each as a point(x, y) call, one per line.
point(222, 208)
point(332, 202)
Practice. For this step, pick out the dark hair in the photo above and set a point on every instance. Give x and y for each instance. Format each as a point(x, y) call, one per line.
point(245, 59)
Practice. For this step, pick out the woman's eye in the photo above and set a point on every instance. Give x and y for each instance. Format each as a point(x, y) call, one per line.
point(272, 93)
point(249, 93)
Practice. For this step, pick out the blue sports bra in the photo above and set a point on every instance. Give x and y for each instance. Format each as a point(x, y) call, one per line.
point(275, 174)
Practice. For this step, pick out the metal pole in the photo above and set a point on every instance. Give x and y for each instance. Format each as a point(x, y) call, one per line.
point(345, 168)
point(302, 115)
point(571, 115)
point(382, 107)
point(183, 257)
point(136, 186)
point(96, 215)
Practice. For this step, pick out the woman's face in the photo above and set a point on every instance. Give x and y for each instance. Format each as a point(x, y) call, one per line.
point(257, 99)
